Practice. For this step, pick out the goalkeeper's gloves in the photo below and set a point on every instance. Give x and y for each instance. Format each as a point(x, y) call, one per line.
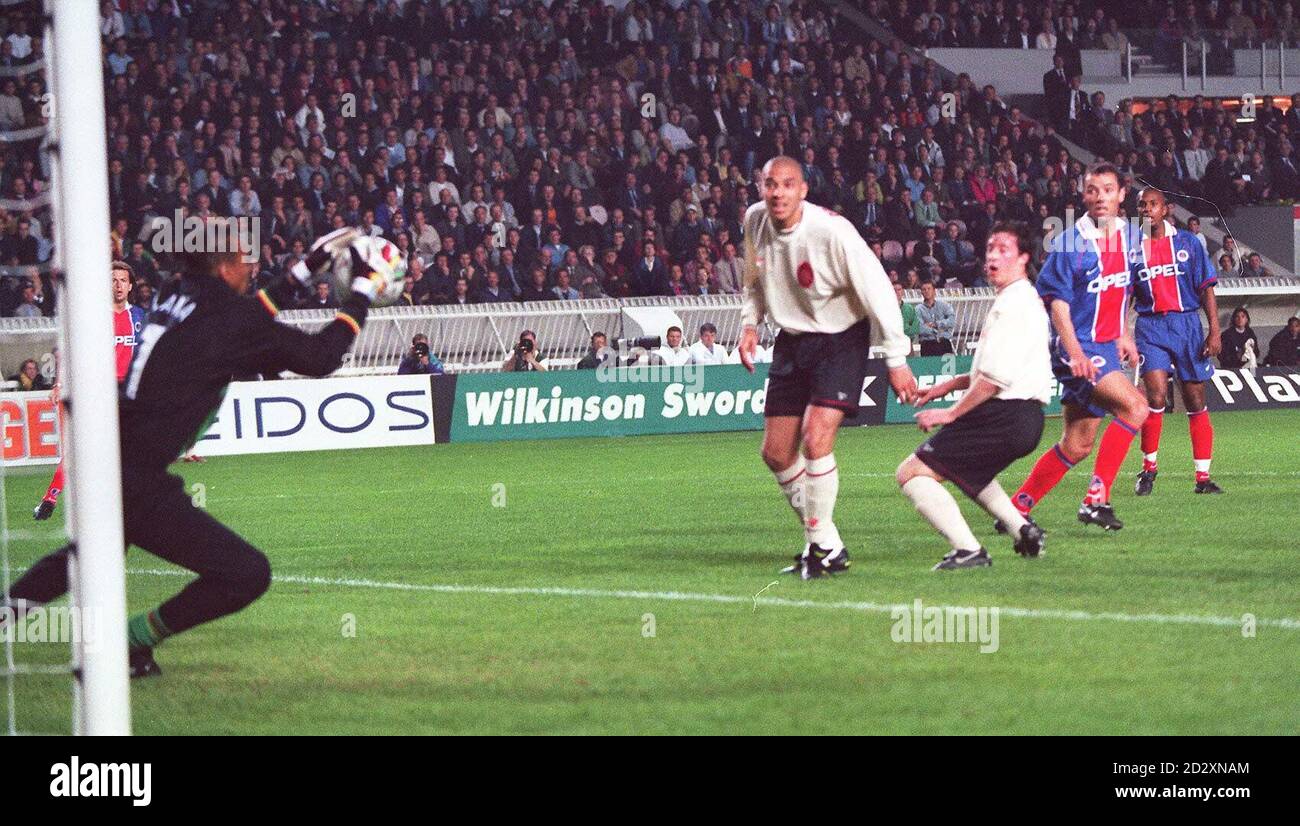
point(322, 252)
point(365, 281)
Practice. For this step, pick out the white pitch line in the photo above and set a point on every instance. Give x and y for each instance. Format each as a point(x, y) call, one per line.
point(483, 484)
point(727, 599)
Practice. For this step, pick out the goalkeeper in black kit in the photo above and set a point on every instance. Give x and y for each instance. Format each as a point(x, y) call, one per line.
point(203, 331)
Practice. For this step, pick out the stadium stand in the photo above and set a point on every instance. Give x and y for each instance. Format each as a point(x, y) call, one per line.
point(489, 139)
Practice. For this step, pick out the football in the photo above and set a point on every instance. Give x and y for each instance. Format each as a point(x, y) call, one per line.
point(384, 258)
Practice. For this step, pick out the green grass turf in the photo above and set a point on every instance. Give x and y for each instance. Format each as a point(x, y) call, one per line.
point(700, 514)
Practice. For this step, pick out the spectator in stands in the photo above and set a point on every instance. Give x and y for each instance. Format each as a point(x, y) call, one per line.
point(938, 322)
point(420, 359)
point(650, 277)
point(461, 296)
point(29, 305)
point(671, 352)
point(957, 257)
point(525, 357)
point(1114, 39)
point(1194, 227)
point(29, 377)
point(728, 271)
point(1284, 348)
point(1254, 267)
point(707, 350)
point(911, 325)
point(321, 299)
point(492, 292)
point(563, 289)
point(597, 354)
point(1233, 252)
point(22, 247)
point(1226, 268)
point(142, 295)
point(537, 289)
point(1239, 340)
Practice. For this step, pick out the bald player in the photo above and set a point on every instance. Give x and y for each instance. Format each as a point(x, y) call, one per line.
point(809, 271)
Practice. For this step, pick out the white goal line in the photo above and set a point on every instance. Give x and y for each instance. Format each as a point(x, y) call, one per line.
point(733, 599)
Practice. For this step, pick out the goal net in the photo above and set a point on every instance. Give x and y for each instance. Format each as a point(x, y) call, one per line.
point(59, 149)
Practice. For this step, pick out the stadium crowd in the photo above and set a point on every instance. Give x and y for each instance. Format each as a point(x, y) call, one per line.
point(526, 151)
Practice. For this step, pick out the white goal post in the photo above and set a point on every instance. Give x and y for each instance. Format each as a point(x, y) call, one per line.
point(97, 572)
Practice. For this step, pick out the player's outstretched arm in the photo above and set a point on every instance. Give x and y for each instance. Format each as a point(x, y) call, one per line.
point(285, 291)
point(982, 391)
point(872, 285)
point(273, 347)
point(938, 391)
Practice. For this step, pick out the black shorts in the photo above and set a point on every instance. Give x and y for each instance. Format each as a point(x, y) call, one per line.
point(822, 369)
point(973, 450)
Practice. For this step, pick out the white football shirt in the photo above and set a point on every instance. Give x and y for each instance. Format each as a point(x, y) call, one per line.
point(1012, 351)
point(818, 277)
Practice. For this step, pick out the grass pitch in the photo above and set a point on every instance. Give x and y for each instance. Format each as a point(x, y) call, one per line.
point(608, 586)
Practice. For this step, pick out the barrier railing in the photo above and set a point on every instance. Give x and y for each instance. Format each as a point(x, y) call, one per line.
point(478, 338)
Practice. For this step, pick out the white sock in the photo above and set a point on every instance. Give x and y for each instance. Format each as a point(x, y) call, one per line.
point(1201, 465)
point(820, 490)
point(792, 481)
point(939, 509)
point(995, 500)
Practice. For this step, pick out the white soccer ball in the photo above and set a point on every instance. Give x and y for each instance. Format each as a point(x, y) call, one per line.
point(383, 258)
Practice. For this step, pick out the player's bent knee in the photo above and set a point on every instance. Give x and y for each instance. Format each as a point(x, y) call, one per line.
point(905, 471)
point(909, 469)
point(1077, 449)
point(250, 578)
point(1136, 413)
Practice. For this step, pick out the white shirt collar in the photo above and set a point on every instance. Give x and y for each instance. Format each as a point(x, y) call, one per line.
point(1088, 228)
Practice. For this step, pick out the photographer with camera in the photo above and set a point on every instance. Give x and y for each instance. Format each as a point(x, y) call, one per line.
point(418, 360)
point(597, 354)
point(525, 356)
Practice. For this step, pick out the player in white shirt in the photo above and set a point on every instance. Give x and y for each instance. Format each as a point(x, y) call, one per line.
point(813, 274)
point(673, 353)
point(997, 421)
point(707, 350)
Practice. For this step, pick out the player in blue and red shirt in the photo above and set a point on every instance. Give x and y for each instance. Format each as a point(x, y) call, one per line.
point(128, 320)
point(1085, 284)
point(1173, 281)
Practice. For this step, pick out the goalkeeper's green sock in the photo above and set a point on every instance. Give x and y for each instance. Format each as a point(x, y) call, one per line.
point(146, 630)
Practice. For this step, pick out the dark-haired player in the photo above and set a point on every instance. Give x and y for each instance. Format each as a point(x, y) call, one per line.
point(202, 332)
point(1175, 280)
point(1085, 284)
point(998, 420)
point(128, 320)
